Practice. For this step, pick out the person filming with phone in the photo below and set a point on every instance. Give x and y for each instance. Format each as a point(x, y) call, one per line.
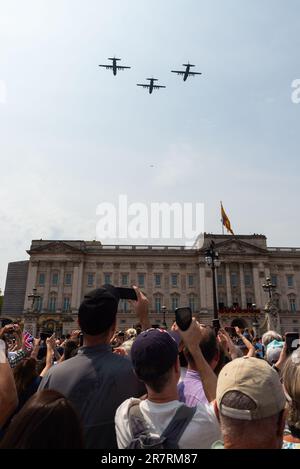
point(164, 421)
point(97, 381)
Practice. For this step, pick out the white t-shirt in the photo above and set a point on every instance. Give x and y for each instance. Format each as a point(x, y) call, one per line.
point(202, 431)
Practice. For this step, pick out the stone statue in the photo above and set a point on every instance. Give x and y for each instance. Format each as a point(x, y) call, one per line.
point(271, 321)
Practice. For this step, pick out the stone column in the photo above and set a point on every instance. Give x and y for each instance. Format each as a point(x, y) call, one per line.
point(257, 288)
point(202, 281)
point(61, 286)
point(228, 286)
point(149, 286)
point(116, 274)
point(166, 286)
point(75, 286)
point(31, 283)
point(243, 291)
point(80, 281)
point(47, 285)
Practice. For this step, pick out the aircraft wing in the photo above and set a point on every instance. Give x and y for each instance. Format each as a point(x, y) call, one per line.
point(106, 66)
point(121, 67)
point(179, 72)
point(158, 86)
point(144, 86)
point(195, 73)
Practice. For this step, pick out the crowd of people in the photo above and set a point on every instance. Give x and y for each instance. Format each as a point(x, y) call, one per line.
point(147, 387)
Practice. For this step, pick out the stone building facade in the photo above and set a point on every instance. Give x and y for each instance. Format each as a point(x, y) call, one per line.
point(64, 271)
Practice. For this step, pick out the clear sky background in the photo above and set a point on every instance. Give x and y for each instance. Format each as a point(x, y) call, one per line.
point(73, 136)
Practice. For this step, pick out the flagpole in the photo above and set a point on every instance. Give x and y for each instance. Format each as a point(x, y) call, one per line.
point(222, 219)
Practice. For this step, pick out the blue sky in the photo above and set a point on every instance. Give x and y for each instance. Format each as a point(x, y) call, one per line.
point(73, 136)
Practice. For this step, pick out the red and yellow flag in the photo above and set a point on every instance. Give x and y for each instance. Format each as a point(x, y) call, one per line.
point(225, 220)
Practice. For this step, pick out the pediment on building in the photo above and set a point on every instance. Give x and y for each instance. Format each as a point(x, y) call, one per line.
point(236, 247)
point(56, 247)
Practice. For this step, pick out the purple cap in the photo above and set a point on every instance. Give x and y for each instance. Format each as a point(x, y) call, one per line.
point(153, 353)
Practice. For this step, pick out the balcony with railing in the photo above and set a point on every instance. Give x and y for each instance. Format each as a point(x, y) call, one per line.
point(238, 311)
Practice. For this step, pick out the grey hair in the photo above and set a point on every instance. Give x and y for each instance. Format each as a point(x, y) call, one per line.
point(246, 433)
point(269, 336)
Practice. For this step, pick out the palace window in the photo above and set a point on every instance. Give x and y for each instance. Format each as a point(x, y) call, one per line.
point(55, 279)
point(68, 279)
point(274, 280)
point(107, 279)
point(234, 279)
point(90, 279)
point(192, 303)
point(141, 280)
point(52, 303)
point(248, 280)
point(41, 279)
point(175, 302)
point(157, 280)
point(124, 280)
point(39, 303)
point(174, 280)
point(220, 279)
point(190, 280)
point(293, 306)
point(290, 281)
point(157, 301)
point(66, 306)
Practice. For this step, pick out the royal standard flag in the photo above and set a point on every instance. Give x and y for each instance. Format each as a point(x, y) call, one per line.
point(225, 220)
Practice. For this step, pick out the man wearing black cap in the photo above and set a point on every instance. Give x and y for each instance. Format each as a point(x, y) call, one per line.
point(96, 381)
point(154, 355)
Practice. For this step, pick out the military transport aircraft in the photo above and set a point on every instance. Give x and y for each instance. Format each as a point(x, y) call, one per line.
point(151, 85)
point(186, 72)
point(114, 65)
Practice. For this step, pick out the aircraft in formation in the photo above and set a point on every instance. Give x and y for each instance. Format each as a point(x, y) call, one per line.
point(187, 72)
point(151, 86)
point(114, 67)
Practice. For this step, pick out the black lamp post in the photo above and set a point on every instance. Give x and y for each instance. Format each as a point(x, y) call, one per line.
point(212, 260)
point(164, 310)
point(269, 287)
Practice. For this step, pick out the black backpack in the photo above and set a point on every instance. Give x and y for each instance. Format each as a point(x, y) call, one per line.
point(141, 438)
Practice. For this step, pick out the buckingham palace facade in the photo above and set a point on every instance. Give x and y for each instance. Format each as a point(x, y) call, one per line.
point(62, 272)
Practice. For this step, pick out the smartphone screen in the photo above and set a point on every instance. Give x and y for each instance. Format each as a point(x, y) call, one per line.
point(292, 341)
point(127, 293)
point(183, 318)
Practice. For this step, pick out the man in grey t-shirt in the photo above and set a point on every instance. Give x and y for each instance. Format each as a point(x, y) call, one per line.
point(97, 381)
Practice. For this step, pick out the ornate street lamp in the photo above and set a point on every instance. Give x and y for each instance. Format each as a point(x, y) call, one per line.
point(212, 260)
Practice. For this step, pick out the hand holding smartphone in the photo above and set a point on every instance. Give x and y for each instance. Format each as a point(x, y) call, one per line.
point(127, 293)
point(292, 342)
point(216, 325)
point(183, 317)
